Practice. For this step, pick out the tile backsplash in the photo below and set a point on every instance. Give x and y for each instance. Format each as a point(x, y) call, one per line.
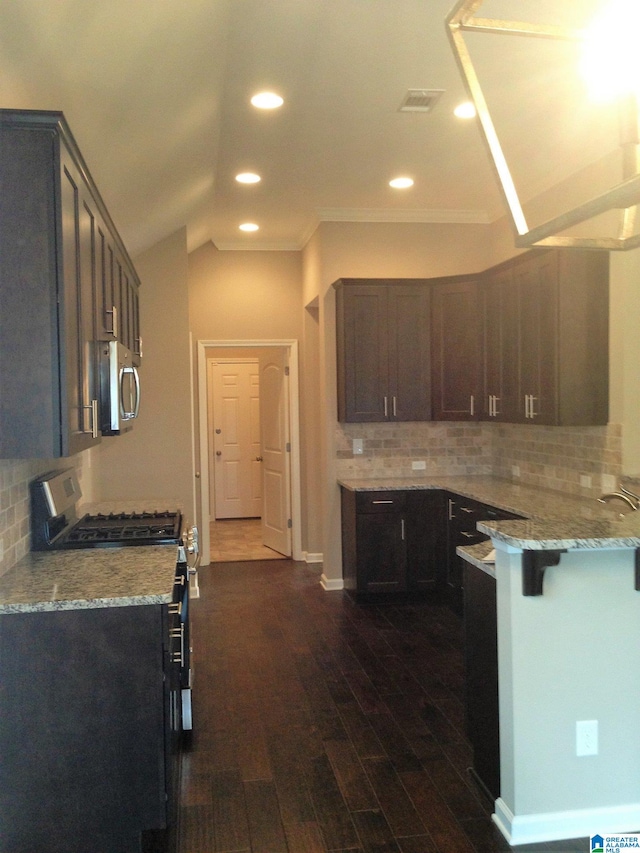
point(15, 476)
point(568, 459)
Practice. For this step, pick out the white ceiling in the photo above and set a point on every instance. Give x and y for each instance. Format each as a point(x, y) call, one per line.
point(157, 94)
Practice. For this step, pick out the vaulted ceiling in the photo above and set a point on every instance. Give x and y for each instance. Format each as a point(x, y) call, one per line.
point(157, 94)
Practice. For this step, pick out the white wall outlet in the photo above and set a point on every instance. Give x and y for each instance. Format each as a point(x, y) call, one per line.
point(585, 481)
point(358, 447)
point(587, 737)
point(515, 470)
point(609, 483)
point(419, 465)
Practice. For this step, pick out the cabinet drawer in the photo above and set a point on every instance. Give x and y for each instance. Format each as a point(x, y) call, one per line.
point(380, 501)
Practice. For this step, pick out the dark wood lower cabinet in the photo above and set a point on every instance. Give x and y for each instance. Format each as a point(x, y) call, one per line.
point(393, 541)
point(481, 686)
point(85, 729)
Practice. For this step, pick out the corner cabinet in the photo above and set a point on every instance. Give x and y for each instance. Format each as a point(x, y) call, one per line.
point(383, 351)
point(62, 267)
point(456, 349)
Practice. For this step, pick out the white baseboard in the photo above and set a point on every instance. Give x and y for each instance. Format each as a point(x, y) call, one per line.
point(330, 584)
point(554, 826)
point(310, 557)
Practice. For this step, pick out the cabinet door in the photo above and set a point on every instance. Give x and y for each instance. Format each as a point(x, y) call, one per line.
point(426, 532)
point(409, 368)
point(481, 681)
point(106, 308)
point(501, 356)
point(80, 375)
point(456, 351)
point(363, 394)
point(537, 282)
point(382, 552)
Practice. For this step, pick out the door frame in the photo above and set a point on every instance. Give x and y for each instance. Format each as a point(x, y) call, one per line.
point(294, 421)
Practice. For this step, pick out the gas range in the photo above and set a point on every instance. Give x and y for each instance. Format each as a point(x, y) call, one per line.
point(55, 523)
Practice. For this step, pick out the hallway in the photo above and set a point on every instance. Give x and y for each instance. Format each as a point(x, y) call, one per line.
point(322, 725)
point(234, 539)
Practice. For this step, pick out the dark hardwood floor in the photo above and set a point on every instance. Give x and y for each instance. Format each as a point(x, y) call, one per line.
point(326, 725)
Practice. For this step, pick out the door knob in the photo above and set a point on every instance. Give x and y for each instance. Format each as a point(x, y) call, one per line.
point(258, 458)
point(218, 453)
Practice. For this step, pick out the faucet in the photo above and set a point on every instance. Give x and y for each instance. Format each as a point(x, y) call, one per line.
point(630, 498)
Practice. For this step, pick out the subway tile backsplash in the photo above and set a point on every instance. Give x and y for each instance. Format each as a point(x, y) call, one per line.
point(567, 459)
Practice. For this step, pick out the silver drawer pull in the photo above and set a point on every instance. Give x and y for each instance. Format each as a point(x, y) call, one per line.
point(466, 509)
point(468, 535)
point(381, 502)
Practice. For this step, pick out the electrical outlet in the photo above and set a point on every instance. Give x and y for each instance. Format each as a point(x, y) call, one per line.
point(585, 481)
point(515, 470)
point(587, 737)
point(609, 483)
point(419, 465)
point(358, 447)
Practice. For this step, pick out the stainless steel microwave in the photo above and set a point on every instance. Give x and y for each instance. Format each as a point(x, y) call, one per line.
point(119, 389)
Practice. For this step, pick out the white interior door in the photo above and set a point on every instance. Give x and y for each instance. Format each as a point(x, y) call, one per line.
point(235, 438)
point(276, 451)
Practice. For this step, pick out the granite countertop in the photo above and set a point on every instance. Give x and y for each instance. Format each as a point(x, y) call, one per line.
point(89, 578)
point(554, 520)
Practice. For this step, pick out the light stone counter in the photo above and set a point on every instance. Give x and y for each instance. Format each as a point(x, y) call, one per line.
point(89, 578)
point(554, 520)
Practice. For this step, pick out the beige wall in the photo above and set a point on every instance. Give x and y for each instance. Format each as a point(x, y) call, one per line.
point(154, 460)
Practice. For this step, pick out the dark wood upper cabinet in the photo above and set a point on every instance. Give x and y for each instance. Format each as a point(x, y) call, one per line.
point(58, 252)
point(546, 344)
point(383, 354)
point(456, 349)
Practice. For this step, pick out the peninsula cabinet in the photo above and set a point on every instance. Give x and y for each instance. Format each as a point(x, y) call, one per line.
point(59, 253)
point(546, 355)
point(392, 541)
point(456, 349)
point(383, 355)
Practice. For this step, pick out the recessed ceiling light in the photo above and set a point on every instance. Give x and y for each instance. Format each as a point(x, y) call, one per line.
point(248, 178)
point(267, 101)
point(401, 183)
point(249, 226)
point(465, 110)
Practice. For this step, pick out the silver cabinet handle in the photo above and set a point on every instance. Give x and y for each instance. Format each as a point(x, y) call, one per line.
point(490, 406)
point(381, 502)
point(114, 321)
point(495, 407)
point(526, 405)
point(466, 509)
point(386, 408)
point(467, 535)
point(471, 405)
point(402, 528)
point(395, 407)
point(139, 346)
point(451, 505)
point(93, 408)
point(532, 411)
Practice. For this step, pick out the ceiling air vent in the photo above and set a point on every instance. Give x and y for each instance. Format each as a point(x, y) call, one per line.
point(420, 100)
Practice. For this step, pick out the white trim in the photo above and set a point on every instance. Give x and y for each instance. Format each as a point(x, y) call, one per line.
point(329, 584)
point(555, 826)
point(447, 217)
point(310, 557)
point(294, 407)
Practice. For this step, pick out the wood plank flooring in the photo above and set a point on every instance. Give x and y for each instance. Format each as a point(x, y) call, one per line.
point(324, 725)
